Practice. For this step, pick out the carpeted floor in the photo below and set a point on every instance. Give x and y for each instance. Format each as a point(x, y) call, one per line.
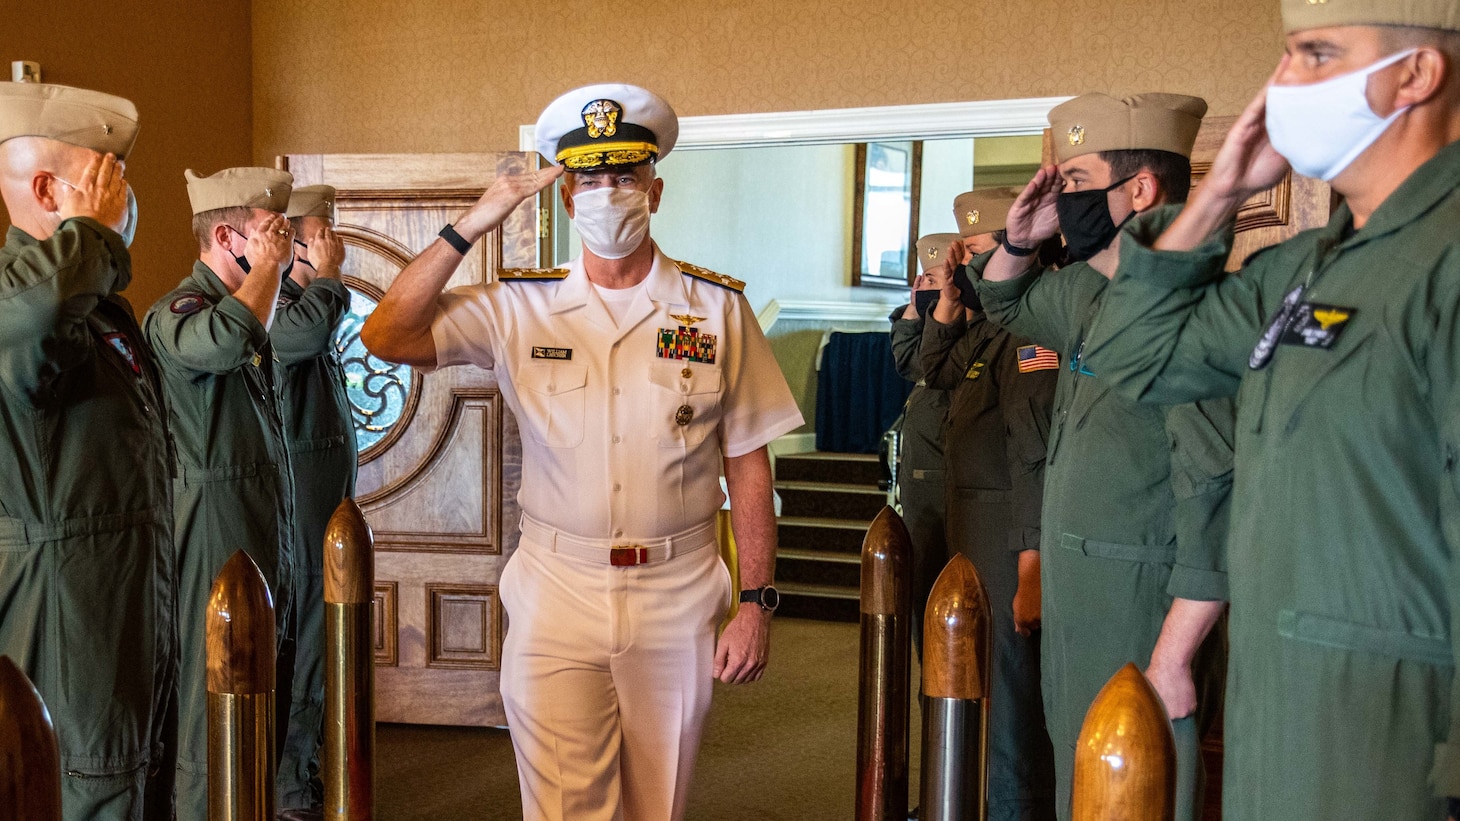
point(783, 748)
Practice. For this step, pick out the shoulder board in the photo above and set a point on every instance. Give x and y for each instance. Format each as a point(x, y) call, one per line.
point(711, 277)
point(532, 274)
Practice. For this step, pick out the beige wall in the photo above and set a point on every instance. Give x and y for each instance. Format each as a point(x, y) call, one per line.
point(461, 75)
point(187, 66)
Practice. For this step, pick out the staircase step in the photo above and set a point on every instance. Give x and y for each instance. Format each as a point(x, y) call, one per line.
point(830, 500)
point(824, 602)
point(812, 533)
point(818, 567)
point(861, 468)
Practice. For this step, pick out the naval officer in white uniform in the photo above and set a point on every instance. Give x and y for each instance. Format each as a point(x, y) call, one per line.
point(634, 379)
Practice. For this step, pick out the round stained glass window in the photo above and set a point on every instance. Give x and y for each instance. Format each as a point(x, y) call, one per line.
point(379, 391)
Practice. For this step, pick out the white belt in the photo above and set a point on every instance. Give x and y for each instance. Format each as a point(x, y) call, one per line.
point(618, 552)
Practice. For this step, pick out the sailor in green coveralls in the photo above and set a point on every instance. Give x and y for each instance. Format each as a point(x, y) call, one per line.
point(321, 440)
point(1135, 502)
point(233, 488)
point(994, 440)
point(86, 607)
point(1342, 346)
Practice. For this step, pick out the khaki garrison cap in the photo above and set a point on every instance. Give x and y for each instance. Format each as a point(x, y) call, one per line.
point(983, 210)
point(1091, 123)
point(604, 126)
point(264, 188)
point(1312, 14)
point(933, 249)
point(77, 116)
point(312, 201)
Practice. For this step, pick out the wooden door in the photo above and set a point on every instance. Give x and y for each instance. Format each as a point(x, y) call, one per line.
point(439, 453)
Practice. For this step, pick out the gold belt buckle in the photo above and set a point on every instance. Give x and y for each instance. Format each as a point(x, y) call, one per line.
point(628, 555)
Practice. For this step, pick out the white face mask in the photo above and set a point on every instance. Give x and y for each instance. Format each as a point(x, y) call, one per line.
point(1323, 127)
point(613, 222)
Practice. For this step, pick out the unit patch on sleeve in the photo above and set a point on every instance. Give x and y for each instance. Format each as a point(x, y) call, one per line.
point(186, 304)
point(1317, 326)
point(541, 352)
point(1034, 358)
point(124, 347)
point(686, 342)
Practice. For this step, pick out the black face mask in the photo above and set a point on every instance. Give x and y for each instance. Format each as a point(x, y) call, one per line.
point(301, 260)
point(967, 295)
point(1086, 222)
point(923, 301)
point(241, 260)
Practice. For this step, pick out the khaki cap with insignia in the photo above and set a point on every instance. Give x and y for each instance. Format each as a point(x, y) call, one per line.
point(983, 210)
point(76, 116)
point(1091, 123)
point(933, 250)
point(312, 201)
point(1311, 14)
point(609, 125)
point(265, 188)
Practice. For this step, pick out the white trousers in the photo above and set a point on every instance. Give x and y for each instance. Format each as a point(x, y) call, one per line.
point(606, 680)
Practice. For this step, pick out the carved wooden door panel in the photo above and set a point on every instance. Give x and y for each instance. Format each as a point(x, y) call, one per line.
point(439, 453)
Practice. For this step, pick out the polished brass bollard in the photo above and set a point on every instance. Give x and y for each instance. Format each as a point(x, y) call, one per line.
point(30, 761)
point(1125, 760)
point(240, 647)
point(886, 645)
point(349, 676)
point(957, 659)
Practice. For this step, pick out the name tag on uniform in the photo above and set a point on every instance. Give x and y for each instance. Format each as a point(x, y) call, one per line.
point(1315, 325)
point(539, 352)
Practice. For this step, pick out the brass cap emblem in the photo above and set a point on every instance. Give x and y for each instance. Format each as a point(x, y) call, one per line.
point(601, 117)
point(972, 217)
point(106, 129)
point(268, 192)
point(1077, 134)
point(932, 253)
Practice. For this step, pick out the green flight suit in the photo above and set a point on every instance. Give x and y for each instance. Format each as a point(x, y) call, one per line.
point(994, 441)
point(1135, 513)
point(321, 441)
point(233, 488)
point(1346, 508)
point(86, 607)
point(920, 468)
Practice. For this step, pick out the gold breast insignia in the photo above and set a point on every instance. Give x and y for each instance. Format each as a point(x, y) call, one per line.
point(687, 320)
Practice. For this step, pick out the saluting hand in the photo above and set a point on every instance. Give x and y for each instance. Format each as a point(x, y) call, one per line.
point(1032, 218)
point(1247, 163)
point(271, 245)
point(502, 198)
point(100, 193)
point(326, 253)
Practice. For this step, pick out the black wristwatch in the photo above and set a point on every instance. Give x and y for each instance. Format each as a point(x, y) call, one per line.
point(768, 597)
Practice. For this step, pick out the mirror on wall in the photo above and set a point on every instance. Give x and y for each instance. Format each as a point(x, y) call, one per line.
point(784, 218)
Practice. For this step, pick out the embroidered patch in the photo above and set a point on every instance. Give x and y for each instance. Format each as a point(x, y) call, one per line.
point(975, 370)
point(1317, 326)
point(686, 343)
point(187, 303)
point(540, 352)
point(1034, 358)
point(124, 347)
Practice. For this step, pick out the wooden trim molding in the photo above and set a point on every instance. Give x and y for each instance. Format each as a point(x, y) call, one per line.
point(982, 118)
point(813, 311)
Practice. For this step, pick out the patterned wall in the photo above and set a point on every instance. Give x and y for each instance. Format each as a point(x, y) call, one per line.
point(461, 75)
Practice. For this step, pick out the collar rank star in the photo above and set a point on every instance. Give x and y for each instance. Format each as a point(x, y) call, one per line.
point(686, 342)
point(1317, 326)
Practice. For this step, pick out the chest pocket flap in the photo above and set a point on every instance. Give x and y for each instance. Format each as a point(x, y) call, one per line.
point(553, 398)
point(685, 408)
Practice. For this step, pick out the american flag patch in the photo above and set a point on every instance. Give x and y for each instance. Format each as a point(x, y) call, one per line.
point(1035, 358)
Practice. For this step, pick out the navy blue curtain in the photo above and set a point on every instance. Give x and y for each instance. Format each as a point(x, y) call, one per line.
point(858, 392)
